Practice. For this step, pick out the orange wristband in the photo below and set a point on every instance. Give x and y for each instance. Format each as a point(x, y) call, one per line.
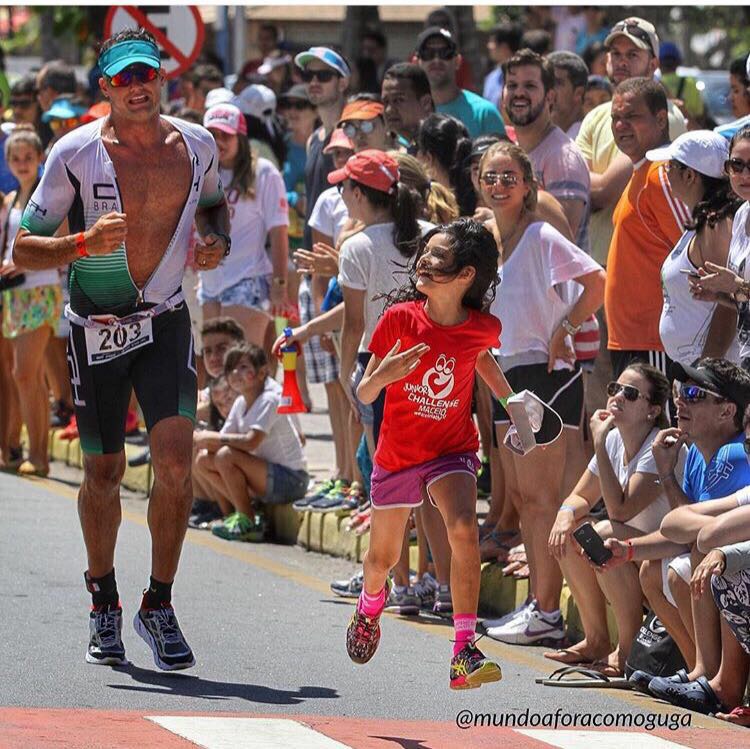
point(631, 551)
point(81, 244)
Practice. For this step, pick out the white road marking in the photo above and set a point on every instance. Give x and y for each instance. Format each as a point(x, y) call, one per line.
point(246, 733)
point(600, 739)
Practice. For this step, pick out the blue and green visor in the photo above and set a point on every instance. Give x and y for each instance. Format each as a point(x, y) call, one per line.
point(119, 56)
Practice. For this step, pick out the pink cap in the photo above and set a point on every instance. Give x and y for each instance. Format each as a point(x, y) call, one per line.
point(227, 118)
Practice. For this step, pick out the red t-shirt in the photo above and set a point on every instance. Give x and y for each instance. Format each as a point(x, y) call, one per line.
point(428, 412)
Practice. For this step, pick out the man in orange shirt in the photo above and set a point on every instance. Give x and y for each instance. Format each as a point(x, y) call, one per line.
point(648, 220)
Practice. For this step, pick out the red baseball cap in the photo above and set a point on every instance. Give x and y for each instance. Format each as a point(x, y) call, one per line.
point(372, 168)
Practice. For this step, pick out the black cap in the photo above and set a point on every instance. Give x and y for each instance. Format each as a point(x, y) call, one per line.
point(735, 389)
point(434, 31)
point(298, 91)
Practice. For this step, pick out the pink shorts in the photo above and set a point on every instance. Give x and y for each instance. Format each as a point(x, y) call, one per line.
point(404, 488)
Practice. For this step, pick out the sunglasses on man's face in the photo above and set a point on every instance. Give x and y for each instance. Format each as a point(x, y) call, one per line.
point(629, 392)
point(506, 179)
point(695, 393)
point(736, 166)
point(322, 75)
point(442, 53)
point(140, 73)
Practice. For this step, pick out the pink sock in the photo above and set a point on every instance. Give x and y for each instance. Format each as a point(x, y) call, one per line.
point(465, 625)
point(371, 605)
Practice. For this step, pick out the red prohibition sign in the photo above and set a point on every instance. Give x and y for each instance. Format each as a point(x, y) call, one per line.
point(183, 58)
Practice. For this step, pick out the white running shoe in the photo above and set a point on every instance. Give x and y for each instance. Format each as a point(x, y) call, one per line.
point(530, 629)
point(510, 616)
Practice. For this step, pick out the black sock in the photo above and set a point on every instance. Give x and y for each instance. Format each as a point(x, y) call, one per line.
point(157, 594)
point(103, 589)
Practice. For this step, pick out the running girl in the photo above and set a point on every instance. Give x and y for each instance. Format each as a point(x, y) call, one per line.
point(425, 351)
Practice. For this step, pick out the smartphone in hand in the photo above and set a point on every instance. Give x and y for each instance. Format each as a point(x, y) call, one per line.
point(691, 274)
point(592, 544)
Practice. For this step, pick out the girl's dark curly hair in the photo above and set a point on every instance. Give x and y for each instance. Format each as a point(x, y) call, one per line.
point(473, 246)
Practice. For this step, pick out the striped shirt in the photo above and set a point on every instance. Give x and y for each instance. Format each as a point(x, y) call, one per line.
point(648, 220)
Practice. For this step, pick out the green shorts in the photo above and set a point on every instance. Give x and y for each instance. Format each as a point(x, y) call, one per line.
point(162, 373)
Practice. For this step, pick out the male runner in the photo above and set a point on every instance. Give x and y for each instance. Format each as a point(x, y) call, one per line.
point(138, 176)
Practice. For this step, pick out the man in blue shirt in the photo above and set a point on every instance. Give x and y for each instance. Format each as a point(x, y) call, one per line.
point(438, 56)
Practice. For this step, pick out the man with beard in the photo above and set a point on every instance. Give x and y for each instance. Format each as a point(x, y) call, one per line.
point(528, 96)
point(438, 56)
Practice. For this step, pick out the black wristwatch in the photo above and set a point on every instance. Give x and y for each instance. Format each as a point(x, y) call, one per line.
point(227, 240)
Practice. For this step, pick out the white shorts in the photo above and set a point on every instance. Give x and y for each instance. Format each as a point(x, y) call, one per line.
point(682, 565)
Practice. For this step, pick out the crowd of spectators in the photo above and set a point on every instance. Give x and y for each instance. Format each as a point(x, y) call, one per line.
point(621, 221)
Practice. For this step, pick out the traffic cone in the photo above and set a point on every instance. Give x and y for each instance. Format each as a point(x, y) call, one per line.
point(291, 398)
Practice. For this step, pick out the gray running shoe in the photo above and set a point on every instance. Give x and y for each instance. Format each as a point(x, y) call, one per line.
point(161, 632)
point(426, 588)
point(105, 637)
point(405, 602)
point(443, 602)
point(350, 588)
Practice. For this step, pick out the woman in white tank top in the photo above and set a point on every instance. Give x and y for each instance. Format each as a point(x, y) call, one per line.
point(690, 329)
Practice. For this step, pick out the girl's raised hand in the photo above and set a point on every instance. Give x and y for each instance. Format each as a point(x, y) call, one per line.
point(396, 364)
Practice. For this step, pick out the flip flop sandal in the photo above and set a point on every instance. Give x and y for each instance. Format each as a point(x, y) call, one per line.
point(569, 657)
point(591, 679)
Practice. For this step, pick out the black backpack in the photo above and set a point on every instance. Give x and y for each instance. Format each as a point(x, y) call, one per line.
point(653, 650)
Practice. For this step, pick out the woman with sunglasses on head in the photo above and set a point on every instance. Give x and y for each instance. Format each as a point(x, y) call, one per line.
point(730, 285)
point(549, 288)
point(690, 329)
point(624, 474)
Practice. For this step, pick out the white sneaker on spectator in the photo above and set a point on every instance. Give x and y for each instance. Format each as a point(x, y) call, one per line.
point(532, 628)
point(510, 616)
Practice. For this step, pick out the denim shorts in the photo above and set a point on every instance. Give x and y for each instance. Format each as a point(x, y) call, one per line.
point(404, 488)
point(249, 292)
point(284, 485)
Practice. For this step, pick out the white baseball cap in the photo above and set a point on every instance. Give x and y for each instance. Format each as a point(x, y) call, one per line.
point(256, 100)
point(218, 96)
point(702, 150)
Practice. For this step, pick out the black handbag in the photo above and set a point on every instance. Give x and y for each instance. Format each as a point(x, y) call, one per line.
point(653, 650)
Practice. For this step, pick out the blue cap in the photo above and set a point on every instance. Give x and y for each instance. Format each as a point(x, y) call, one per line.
point(63, 109)
point(326, 55)
point(115, 59)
